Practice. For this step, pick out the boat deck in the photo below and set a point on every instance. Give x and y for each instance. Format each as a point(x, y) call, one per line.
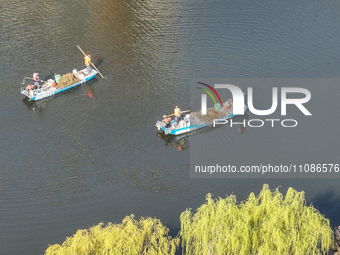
point(198, 118)
point(48, 90)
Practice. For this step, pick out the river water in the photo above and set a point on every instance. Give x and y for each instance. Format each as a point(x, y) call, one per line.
point(93, 154)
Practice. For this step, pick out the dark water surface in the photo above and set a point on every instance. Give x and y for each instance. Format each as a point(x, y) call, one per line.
point(93, 154)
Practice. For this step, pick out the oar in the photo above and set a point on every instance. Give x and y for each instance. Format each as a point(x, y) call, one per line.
point(174, 114)
point(91, 62)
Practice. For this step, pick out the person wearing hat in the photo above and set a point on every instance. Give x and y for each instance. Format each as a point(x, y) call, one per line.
point(87, 63)
point(177, 113)
point(36, 80)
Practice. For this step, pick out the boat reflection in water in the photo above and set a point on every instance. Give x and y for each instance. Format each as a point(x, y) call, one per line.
point(241, 128)
point(178, 141)
point(181, 142)
point(33, 105)
point(90, 93)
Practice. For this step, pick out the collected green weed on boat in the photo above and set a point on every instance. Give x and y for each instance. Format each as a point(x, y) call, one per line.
point(67, 80)
point(267, 224)
point(147, 236)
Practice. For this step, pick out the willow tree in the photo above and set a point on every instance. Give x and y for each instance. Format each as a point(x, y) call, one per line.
point(267, 224)
point(145, 237)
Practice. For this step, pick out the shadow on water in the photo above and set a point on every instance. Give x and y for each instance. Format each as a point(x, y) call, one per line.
point(328, 203)
point(98, 62)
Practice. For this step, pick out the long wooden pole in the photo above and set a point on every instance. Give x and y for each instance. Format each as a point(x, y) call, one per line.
point(174, 114)
point(23, 81)
point(91, 62)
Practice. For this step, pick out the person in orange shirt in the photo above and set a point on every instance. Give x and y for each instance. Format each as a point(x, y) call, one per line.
point(177, 113)
point(88, 63)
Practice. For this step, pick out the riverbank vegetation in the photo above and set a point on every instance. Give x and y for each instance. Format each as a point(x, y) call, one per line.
point(269, 223)
point(146, 236)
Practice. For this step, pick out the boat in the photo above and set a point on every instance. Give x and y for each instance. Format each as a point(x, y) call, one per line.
point(50, 87)
point(195, 120)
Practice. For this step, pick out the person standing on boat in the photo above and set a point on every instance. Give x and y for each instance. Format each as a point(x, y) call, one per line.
point(177, 113)
point(36, 80)
point(88, 63)
point(167, 121)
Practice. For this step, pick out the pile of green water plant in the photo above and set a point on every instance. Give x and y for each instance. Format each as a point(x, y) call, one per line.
point(67, 80)
point(209, 116)
point(148, 236)
point(267, 224)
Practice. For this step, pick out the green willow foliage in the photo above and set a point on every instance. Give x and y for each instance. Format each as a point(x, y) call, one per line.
point(266, 224)
point(145, 237)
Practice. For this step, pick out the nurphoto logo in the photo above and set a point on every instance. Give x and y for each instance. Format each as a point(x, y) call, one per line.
point(238, 105)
